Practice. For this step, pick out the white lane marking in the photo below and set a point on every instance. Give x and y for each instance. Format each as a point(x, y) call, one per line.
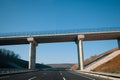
point(60, 73)
point(87, 77)
point(64, 78)
point(32, 78)
point(84, 76)
point(4, 77)
point(45, 73)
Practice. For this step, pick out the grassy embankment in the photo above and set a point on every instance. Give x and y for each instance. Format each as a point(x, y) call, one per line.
point(112, 66)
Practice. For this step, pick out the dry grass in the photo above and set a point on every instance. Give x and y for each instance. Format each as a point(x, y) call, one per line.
point(112, 66)
point(107, 67)
point(74, 67)
point(91, 59)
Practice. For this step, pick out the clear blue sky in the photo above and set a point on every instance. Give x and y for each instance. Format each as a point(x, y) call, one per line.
point(51, 15)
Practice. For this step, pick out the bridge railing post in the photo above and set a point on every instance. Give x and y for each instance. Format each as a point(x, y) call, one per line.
point(32, 53)
point(80, 51)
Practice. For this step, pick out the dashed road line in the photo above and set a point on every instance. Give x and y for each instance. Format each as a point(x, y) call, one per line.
point(64, 78)
point(60, 73)
point(87, 77)
point(32, 78)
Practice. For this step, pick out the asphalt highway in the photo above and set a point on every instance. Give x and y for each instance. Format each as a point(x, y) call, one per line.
point(50, 75)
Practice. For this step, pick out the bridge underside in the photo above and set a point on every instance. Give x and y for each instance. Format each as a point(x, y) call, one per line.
point(34, 40)
point(58, 38)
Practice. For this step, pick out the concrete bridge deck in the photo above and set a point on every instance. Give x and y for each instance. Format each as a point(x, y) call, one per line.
point(60, 37)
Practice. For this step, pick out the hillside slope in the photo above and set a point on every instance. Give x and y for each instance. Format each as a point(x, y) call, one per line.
point(8, 59)
point(97, 57)
point(101, 61)
point(109, 67)
point(103, 68)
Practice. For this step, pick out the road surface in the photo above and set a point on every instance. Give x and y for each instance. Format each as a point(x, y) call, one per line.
point(50, 75)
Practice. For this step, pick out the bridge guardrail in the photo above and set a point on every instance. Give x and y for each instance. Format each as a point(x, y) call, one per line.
point(13, 71)
point(60, 32)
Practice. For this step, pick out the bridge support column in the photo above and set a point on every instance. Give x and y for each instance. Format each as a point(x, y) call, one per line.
point(32, 53)
point(80, 52)
point(119, 43)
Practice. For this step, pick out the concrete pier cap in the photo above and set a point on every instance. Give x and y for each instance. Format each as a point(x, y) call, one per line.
point(31, 39)
point(81, 37)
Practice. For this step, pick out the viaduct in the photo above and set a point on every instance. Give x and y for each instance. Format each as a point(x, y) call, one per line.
point(77, 36)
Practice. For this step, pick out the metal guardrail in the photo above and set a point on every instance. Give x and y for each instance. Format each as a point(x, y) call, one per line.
point(13, 71)
point(107, 74)
point(103, 74)
point(61, 32)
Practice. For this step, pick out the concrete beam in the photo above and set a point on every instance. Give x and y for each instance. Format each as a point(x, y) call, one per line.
point(118, 43)
point(80, 52)
point(32, 53)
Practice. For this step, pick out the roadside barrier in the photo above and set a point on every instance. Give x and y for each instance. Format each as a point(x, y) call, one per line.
point(112, 76)
point(13, 71)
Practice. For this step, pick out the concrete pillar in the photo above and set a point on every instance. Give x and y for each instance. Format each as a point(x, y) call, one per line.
point(119, 43)
point(80, 52)
point(32, 53)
